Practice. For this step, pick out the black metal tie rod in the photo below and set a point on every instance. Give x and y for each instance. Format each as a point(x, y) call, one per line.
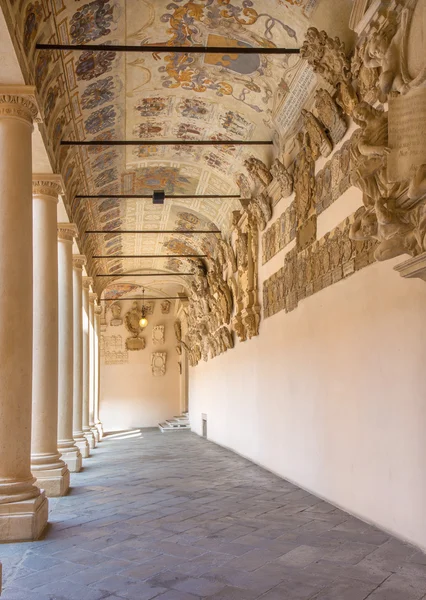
point(167, 231)
point(168, 49)
point(145, 275)
point(167, 143)
point(149, 256)
point(168, 197)
point(144, 298)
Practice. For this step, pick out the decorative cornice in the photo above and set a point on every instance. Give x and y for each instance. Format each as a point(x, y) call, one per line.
point(45, 184)
point(19, 102)
point(87, 282)
point(413, 268)
point(93, 297)
point(67, 232)
point(78, 261)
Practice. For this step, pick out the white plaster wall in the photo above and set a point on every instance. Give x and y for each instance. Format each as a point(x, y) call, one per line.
point(333, 397)
point(130, 396)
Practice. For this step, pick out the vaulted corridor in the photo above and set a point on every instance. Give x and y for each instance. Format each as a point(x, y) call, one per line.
point(176, 517)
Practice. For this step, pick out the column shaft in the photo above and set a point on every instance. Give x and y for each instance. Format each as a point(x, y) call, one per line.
point(50, 471)
point(98, 423)
point(70, 452)
point(87, 281)
point(23, 508)
point(92, 352)
point(81, 442)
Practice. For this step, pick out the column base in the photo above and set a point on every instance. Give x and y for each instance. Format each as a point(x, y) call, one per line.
point(23, 521)
point(100, 429)
point(73, 459)
point(54, 482)
point(90, 438)
point(95, 432)
point(83, 445)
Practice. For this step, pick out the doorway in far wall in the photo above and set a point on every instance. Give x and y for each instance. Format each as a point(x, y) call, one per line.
point(204, 423)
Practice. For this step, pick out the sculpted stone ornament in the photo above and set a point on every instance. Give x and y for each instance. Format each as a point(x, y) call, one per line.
point(132, 318)
point(178, 331)
point(326, 56)
point(386, 50)
point(394, 213)
point(116, 315)
point(165, 307)
point(158, 363)
point(158, 336)
point(243, 185)
point(258, 171)
point(135, 343)
point(281, 174)
point(330, 116)
point(318, 139)
point(304, 179)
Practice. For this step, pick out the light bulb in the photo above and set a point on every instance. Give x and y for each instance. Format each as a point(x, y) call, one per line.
point(143, 322)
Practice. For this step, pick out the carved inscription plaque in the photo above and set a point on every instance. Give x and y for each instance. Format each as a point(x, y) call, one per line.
point(407, 134)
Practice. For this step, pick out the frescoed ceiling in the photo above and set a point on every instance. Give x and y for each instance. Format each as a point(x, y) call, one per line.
point(109, 95)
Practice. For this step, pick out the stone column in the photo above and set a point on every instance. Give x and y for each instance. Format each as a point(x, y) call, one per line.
point(81, 442)
point(70, 453)
point(98, 424)
point(87, 282)
point(23, 507)
point(92, 299)
point(51, 472)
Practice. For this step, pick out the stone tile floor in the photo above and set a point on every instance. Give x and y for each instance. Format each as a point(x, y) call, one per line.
point(173, 517)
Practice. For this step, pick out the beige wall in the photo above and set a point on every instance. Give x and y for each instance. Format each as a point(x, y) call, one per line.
point(333, 397)
point(130, 395)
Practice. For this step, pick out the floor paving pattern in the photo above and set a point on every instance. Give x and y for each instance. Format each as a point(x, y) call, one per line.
point(174, 517)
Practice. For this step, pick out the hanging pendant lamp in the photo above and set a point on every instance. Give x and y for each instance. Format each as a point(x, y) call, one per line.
point(143, 322)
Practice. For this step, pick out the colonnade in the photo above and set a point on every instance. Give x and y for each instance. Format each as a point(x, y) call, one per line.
point(49, 367)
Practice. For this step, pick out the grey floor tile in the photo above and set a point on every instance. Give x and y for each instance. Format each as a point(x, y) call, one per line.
point(186, 519)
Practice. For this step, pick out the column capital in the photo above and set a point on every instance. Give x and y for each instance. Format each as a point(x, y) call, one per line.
point(87, 282)
point(67, 231)
point(98, 309)
point(45, 184)
point(19, 101)
point(79, 261)
point(93, 296)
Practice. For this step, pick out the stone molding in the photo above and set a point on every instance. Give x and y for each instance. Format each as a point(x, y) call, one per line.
point(19, 101)
point(413, 268)
point(45, 184)
point(79, 261)
point(67, 232)
point(87, 282)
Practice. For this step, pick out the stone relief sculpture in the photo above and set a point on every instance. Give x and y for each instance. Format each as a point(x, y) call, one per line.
point(165, 307)
point(330, 115)
point(258, 171)
point(116, 315)
point(304, 178)
point(158, 336)
point(285, 180)
point(243, 185)
point(158, 363)
point(178, 331)
point(318, 139)
point(326, 56)
point(131, 321)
